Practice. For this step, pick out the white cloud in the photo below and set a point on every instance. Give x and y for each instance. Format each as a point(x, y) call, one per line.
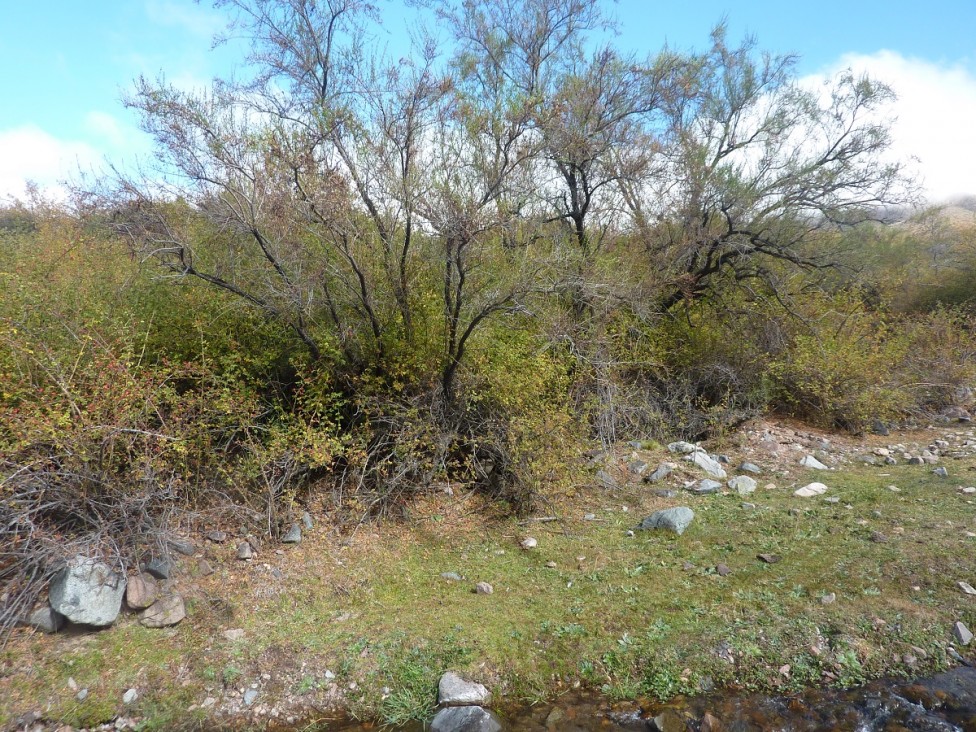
point(933, 117)
point(30, 153)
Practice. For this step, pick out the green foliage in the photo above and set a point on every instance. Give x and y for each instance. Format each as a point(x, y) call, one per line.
point(846, 372)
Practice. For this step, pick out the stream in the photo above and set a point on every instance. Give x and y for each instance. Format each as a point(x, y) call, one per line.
point(940, 703)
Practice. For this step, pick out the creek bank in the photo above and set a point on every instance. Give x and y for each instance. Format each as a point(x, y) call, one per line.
point(941, 703)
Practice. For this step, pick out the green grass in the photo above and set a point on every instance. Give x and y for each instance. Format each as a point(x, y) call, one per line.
point(629, 618)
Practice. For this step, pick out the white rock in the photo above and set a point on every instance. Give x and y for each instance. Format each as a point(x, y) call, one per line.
point(809, 461)
point(712, 467)
point(743, 485)
point(454, 691)
point(529, 543)
point(130, 696)
point(810, 490)
point(87, 591)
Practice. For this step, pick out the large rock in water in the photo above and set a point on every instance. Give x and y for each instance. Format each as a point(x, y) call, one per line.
point(670, 519)
point(465, 719)
point(88, 592)
point(453, 691)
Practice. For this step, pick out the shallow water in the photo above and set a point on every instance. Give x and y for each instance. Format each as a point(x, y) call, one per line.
point(938, 704)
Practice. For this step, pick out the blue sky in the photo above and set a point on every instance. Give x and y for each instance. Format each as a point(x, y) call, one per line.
point(66, 63)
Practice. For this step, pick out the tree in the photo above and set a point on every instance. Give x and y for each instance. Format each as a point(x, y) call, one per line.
point(755, 165)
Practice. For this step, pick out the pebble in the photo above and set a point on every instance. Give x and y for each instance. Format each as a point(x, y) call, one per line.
point(130, 696)
point(829, 598)
point(483, 588)
point(529, 543)
point(722, 570)
point(966, 588)
point(82, 695)
point(244, 550)
point(250, 696)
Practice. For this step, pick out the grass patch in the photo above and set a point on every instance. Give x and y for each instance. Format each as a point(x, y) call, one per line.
point(370, 624)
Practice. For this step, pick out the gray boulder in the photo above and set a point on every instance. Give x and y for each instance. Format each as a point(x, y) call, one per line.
point(159, 568)
point(164, 612)
point(663, 471)
point(682, 447)
point(87, 591)
point(750, 468)
point(294, 535)
point(709, 465)
point(809, 461)
point(465, 719)
point(454, 691)
point(743, 485)
point(45, 620)
point(670, 519)
point(705, 486)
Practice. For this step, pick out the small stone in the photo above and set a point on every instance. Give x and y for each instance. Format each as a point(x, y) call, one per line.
point(454, 691)
point(832, 499)
point(810, 490)
point(683, 448)
point(294, 535)
point(750, 468)
point(878, 538)
point(712, 467)
point(670, 519)
point(244, 550)
point(669, 721)
point(82, 695)
point(451, 576)
point(551, 565)
point(966, 588)
point(605, 479)
point(141, 592)
point(962, 633)
point(483, 588)
point(743, 485)
point(217, 537)
point(748, 506)
point(705, 487)
point(894, 489)
point(665, 493)
point(182, 546)
point(915, 460)
point(637, 467)
point(529, 543)
point(829, 598)
point(204, 569)
point(809, 461)
point(158, 568)
point(710, 723)
point(589, 517)
point(166, 611)
point(307, 522)
point(234, 634)
point(130, 696)
point(722, 570)
point(250, 696)
point(769, 558)
point(941, 472)
point(45, 620)
point(663, 471)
